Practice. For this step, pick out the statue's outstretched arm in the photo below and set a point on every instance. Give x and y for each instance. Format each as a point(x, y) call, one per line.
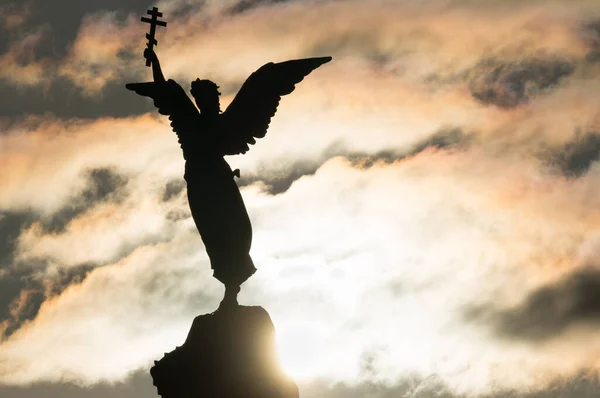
point(156, 71)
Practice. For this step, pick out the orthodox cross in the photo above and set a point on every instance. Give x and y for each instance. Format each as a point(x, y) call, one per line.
point(154, 22)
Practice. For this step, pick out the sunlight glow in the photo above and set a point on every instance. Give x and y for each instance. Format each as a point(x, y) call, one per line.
point(300, 350)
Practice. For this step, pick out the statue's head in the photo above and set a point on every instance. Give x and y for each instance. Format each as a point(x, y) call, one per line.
point(206, 94)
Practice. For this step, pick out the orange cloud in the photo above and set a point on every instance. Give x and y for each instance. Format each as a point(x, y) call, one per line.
point(19, 64)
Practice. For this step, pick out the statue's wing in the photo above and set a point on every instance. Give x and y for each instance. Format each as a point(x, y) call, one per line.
point(249, 114)
point(171, 100)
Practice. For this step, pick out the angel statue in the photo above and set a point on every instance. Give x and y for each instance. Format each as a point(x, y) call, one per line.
point(207, 135)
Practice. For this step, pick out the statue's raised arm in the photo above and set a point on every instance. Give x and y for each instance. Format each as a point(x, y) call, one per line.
point(170, 99)
point(151, 57)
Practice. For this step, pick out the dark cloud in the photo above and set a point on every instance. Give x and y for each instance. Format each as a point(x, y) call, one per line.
point(65, 277)
point(12, 282)
point(446, 138)
point(26, 285)
point(246, 5)
point(58, 95)
point(548, 311)
point(63, 17)
point(19, 294)
point(103, 185)
point(11, 224)
point(23, 289)
point(280, 181)
point(590, 33)
point(173, 189)
point(510, 84)
point(103, 182)
point(443, 139)
point(575, 157)
point(21, 308)
point(585, 385)
point(63, 99)
point(60, 21)
point(13, 15)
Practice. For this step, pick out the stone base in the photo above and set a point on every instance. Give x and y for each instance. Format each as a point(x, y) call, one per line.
point(230, 354)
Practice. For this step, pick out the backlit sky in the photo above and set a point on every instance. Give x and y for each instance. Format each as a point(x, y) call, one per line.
point(426, 207)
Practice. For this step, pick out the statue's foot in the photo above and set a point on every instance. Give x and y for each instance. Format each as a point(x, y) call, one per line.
point(230, 298)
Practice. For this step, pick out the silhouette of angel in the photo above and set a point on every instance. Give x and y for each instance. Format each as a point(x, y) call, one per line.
point(206, 135)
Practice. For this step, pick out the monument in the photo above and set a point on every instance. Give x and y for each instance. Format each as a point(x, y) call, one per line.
point(231, 352)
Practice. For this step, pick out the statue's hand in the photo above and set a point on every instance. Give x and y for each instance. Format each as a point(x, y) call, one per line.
point(150, 55)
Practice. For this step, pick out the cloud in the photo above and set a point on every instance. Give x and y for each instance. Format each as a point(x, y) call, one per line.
point(101, 51)
point(139, 385)
point(409, 41)
point(549, 311)
point(447, 138)
point(63, 17)
point(156, 286)
point(51, 155)
point(104, 186)
point(20, 65)
point(26, 285)
point(11, 224)
point(63, 99)
point(590, 33)
point(246, 5)
point(14, 15)
point(173, 189)
point(576, 156)
point(26, 289)
point(348, 258)
point(279, 180)
point(507, 85)
point(385, 199)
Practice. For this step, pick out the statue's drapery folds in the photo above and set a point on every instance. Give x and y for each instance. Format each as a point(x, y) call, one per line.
point(222, 220)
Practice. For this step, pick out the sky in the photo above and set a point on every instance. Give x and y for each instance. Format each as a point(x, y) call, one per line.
point(425, 207)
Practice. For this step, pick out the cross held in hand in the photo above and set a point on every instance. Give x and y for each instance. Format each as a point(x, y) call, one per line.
point(154, 22)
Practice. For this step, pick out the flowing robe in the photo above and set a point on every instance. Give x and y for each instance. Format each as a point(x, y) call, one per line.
point(217, 207)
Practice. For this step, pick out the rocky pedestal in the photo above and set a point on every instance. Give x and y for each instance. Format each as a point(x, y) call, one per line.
point(230, 353)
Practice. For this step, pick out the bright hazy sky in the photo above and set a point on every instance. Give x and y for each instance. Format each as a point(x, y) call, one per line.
point(426, 207)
